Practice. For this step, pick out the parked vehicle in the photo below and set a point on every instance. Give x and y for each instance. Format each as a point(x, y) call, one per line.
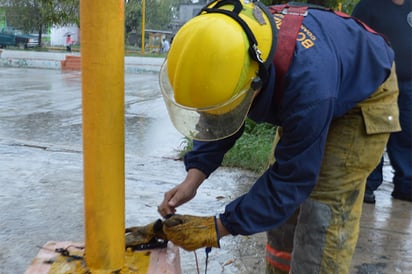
point(13, 37)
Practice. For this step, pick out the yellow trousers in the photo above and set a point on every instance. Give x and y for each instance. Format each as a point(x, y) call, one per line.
point(321, 237)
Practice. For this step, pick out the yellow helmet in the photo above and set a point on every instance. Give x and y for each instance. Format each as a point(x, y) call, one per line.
point(215, 66)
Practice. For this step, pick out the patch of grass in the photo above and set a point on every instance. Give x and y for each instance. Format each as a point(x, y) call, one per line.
point(251, 151)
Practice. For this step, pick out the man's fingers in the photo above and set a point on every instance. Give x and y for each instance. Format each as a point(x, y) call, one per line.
point(174, 198)
point(165, 208)
point(171, 198)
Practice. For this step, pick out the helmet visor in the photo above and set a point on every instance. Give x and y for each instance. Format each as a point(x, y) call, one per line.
point(209, 123)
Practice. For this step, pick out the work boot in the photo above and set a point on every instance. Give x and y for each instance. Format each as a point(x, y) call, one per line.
point(402, 196)
point(369, 197)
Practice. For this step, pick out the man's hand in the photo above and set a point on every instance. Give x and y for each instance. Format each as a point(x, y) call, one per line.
point(182, 193)
point(191, 232)
point(139, 235)
point(176, 197)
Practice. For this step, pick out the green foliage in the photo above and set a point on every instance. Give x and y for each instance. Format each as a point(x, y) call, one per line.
point(349, 5)
point(251, 151)
point(133, 15)
point(158, 14)
point(33, 16)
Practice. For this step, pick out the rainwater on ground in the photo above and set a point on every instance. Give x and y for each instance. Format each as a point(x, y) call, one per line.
point(41, 179)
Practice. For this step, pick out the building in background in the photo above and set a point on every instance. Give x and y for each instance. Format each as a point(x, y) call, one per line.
point(186, 12)
point(58, 35)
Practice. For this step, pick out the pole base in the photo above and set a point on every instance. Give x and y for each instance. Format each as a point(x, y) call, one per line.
point(68, 257)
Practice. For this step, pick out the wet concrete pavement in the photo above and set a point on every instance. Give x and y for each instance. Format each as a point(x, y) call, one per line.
point(41, 197)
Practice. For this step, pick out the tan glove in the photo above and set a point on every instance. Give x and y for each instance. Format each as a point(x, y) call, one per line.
point(191, 232)
point(140, 235)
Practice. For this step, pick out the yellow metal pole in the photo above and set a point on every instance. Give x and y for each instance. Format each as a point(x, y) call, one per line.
point(102, 51)
point(143, 22)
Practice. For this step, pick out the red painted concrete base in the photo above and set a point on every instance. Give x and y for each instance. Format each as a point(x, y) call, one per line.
point(71, 62)
point(49, 261)
point(165, 260)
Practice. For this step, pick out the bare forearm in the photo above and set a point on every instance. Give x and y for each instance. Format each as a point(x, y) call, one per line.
point(195, 177)
point(222, 231)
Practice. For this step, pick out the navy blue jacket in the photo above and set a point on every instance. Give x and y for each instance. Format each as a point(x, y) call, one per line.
point(336, 64)
point(395, 22)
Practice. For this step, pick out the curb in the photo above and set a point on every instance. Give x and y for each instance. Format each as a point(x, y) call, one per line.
point(52, 60)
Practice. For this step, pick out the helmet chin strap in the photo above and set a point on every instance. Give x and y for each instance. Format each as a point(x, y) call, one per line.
point(254, 50)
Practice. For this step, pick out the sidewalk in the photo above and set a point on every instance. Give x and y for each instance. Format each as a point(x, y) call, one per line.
point(52, 60)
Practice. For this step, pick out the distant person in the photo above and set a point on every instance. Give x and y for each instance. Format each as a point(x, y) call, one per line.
point(165, 45)
point(393, 18)
point(69, 43)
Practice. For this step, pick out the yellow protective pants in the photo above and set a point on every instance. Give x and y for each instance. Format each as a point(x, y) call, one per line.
point(321, 237)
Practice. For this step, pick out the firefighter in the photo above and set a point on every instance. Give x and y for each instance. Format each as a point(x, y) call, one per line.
point(399, 147)
point(333, 100)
